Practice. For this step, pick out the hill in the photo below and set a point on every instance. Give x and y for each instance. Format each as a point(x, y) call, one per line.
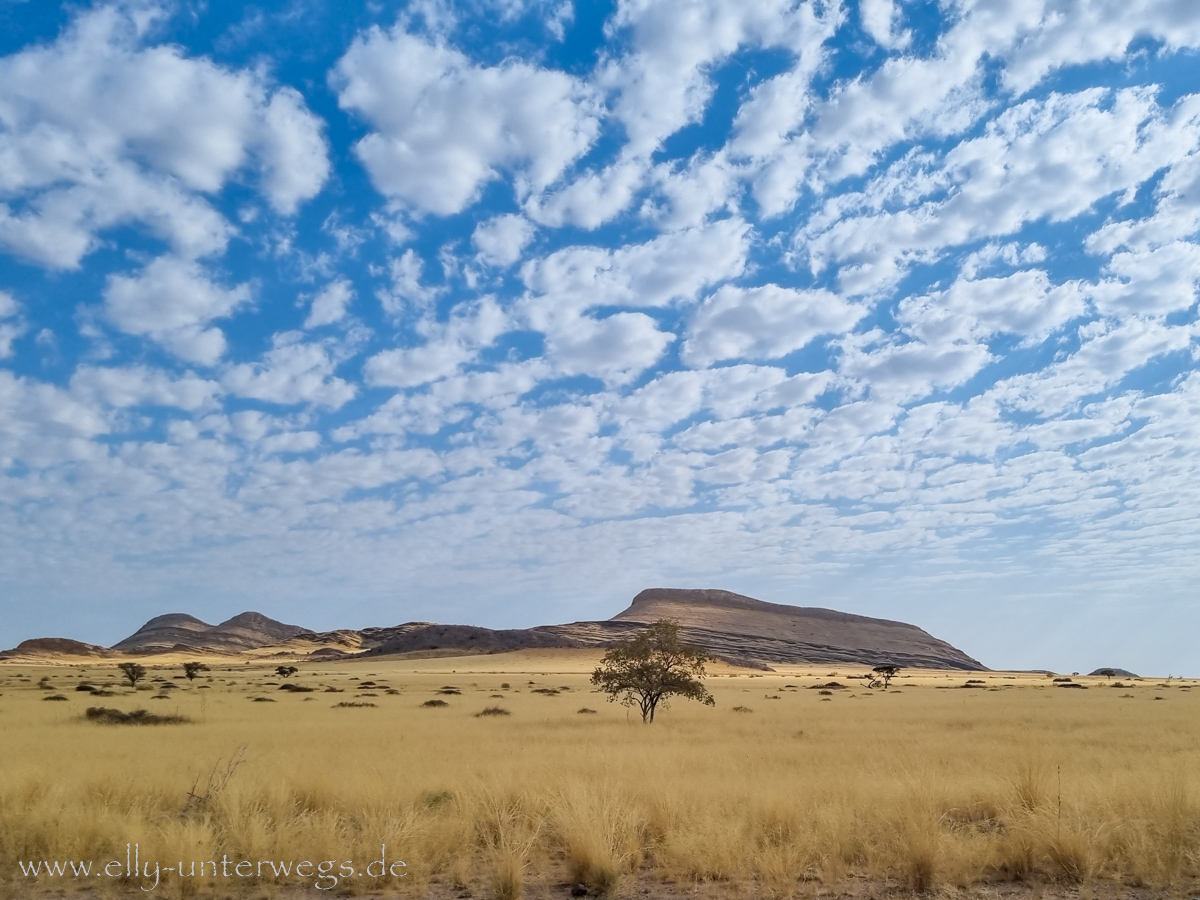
point(734, 628)
point(179, 631)
point(737, 625)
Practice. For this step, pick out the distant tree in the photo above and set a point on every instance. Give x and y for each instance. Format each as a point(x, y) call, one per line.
point(652, 667)
point(881, 676)
point(1107, 673)
point(192, 669)
point(286, 671)
point(133, 672)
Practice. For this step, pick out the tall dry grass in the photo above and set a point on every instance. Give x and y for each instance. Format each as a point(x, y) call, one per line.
point(923, 789)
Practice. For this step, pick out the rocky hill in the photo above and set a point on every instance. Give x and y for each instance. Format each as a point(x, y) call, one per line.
point(179, 631)
point(730, 626)
point(734, 624)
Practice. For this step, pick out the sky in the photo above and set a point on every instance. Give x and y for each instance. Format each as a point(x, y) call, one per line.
point(498, 311)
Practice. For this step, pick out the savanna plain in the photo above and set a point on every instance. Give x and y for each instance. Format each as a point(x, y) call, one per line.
point(790, 786)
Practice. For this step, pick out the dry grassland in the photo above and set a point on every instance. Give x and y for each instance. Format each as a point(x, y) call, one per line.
point(778, 791)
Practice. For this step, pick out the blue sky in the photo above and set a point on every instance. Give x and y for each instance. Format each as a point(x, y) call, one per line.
point(498, 312)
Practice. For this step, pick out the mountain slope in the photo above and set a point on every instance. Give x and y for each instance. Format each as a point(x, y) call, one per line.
point(179, 631)
point(735, 624)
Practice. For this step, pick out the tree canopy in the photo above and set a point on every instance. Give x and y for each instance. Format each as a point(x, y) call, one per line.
point(650, 668)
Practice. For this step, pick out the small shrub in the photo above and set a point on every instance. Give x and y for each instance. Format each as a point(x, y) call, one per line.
point(54, 697)
point(826, 693)
point(742, 709)
point(549, 692)
point(296, 688)
point(84, 686)
point(451, 691)
point(585, 712)
point(351, 704)
point(504, 685)
point(435, 703)
point(106, 716)
point(493, 711)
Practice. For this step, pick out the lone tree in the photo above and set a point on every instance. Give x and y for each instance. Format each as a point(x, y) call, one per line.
point(192, 669)
point(286, 671)
point(651, 668)
point(133, 672)
point(881, 676)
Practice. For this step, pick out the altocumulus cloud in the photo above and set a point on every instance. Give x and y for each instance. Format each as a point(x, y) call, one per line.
point(486, 312)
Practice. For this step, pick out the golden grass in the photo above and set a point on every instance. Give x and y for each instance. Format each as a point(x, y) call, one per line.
point(922, 789)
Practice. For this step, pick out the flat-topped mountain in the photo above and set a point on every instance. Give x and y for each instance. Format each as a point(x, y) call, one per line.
point(732, 627)
point(179, 631)
point(774, 632)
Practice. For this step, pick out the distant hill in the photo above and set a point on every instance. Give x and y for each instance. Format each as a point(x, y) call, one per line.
point(773, 632)
point(179, 631)
point(1114, 673)
point(55, 647)
point(732, 627)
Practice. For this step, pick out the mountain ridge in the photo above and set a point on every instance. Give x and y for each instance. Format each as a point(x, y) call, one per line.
point(732, 627)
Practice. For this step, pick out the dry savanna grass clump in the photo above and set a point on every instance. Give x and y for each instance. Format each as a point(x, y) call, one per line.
point(106, 716)
point(1017, 789)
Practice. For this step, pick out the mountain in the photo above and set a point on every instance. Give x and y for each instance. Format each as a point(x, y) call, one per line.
point(36, 647)
point(179, 631)
point(730, 623)
point(732, 627)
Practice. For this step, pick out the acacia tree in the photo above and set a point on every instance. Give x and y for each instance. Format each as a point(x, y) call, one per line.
point(192, 669)
point(133, 671)
point(881, 676)
point(286, 671)
point(652, 667)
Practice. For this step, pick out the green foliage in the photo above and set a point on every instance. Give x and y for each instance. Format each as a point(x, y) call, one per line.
point(132, 671)
point(652, 667)
point(192, 669)
point(881, 676)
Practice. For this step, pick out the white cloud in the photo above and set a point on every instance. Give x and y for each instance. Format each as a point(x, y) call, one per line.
point(592, 198)
point(670, 268)
point(1108, 352)
point(899, 371)
point(501, 240)
point(172, 301)
point(291, 372)
point(126, 386)
point(100, 129)
point(763, 322)
point(1049, 159)
point(330, 304)
point(880, 19)
point(615, 349)
point(407, 294)
point(445, 127)
point(664, 82)
point(447, 346)
point(9, 331)
point(1151, 282)
point(1024, 303)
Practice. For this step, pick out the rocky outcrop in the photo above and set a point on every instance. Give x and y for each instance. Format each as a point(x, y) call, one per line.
point(55, 647)
point(732, 627)
point(181, 632)
point(733, 624)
